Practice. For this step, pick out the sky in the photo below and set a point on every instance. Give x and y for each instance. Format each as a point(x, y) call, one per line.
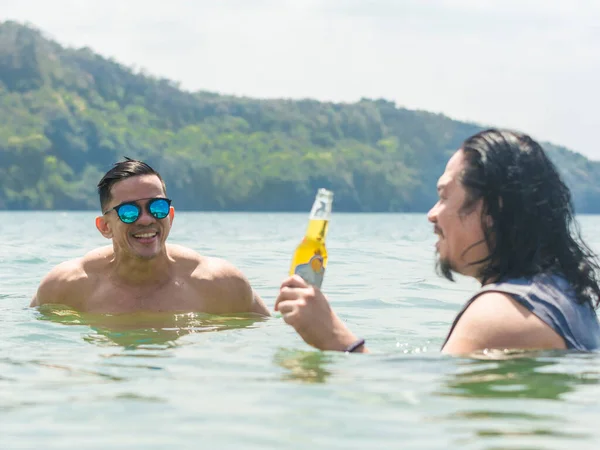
point(529, 65)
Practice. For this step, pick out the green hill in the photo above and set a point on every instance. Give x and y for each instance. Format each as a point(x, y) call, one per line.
point(67, 114)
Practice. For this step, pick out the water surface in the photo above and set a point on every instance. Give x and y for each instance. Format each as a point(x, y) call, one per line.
point(148, 381)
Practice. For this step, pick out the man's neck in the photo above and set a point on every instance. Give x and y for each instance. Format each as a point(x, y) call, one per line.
point(128, 270)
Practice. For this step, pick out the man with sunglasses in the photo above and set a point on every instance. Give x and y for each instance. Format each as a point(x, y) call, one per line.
point(140, 271)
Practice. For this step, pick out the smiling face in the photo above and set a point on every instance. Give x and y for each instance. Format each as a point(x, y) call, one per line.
point(461, 239)
point(145, 238)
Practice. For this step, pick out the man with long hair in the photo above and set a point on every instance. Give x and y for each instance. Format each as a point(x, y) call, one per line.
point(504, 217)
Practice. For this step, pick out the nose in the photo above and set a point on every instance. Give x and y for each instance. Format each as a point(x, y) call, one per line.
point(432, 214)
point(145, 217)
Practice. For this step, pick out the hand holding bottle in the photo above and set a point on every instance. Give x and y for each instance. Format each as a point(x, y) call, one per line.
point(306, 309)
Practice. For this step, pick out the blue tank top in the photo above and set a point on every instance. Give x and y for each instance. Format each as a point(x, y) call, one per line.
point(552, 299)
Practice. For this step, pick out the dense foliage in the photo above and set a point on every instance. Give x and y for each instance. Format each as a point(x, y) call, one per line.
point(67, 114)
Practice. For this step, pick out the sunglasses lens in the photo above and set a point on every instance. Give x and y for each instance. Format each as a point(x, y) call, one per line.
point(128, 213)
point(159, 208)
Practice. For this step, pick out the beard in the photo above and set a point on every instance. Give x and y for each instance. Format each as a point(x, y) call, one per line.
point(443, 267)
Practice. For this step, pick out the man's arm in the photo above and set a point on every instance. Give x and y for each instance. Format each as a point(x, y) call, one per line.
point(56, 285)
point(497, 321)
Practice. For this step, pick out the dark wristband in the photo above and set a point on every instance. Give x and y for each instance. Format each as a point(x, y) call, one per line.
point(355, 346)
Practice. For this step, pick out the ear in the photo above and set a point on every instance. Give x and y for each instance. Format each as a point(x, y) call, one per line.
point(104, 227)
point(489, 221)
point(171, 214)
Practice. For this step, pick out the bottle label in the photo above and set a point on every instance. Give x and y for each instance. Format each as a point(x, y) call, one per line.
point(312, 272)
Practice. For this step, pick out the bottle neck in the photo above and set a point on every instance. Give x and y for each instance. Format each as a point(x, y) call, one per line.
point(317, 229)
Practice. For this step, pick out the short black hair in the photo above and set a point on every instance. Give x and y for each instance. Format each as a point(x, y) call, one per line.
point(121, 171)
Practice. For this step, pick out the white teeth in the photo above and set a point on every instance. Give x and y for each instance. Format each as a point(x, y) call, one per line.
point(144, 235)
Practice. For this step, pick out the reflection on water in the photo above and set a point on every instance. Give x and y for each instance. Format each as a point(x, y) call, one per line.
point(491, 424)
point(519, 377)
point(303, 366)
point(144, 329)
point(504, 398)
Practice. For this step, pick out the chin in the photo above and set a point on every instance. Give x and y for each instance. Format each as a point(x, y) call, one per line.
point(151, 255)
point(146, 256)
point(443, 267)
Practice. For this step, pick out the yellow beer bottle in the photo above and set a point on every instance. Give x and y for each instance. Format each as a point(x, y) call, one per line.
point(310, 258)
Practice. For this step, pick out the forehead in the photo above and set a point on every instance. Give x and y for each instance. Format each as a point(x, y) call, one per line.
point(453, 170)
point(135, 188)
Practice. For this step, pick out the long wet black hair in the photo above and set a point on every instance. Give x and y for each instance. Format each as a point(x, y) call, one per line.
point(532, 228)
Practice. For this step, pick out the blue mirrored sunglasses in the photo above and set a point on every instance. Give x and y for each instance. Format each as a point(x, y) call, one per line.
point(129, 212)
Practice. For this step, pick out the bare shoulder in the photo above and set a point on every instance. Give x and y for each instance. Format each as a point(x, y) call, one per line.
point(497, 321)
point(184, 256)
point(60, 283)
point(221, 269)
point(96, 259)
point(219, 281)
point(203, 267)
point(68, 282)
point(224, 277)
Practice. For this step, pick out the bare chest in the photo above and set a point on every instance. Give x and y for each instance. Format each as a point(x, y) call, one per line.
point(174, 296)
